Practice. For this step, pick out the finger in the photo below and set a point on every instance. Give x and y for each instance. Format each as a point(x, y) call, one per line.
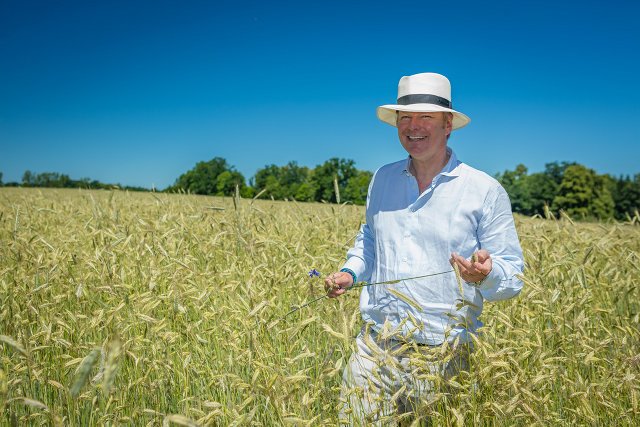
point(333, 278)
point(485, 263)
point(483, 255)
point(477, 265)
point(334, 293)
point(329, 284)
point(469, 270)
point(344, 280)
point(479, 269)
point(337, 283)
point(462, 262)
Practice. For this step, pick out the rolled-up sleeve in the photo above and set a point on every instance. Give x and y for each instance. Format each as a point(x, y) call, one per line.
point(497, 234)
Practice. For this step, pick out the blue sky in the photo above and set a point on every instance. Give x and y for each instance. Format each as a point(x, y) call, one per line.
point(137, 92)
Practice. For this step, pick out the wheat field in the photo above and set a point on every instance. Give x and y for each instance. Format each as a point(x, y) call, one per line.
point(166, 309)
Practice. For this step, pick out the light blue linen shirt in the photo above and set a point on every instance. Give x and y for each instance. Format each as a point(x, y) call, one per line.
point(408, 234)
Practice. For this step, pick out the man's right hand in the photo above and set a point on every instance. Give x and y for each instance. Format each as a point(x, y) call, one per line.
point(337, 283)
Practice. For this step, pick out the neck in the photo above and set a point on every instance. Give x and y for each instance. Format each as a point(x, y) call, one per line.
point(425, 170)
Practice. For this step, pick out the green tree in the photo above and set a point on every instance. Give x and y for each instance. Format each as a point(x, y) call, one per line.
point(227, 181)
point(542, 190)
point(583, 194)
point(517, 186)
point(27, 179)
point(635, 195)
point(323, 177)
point(285, 182)
point(305, 192)
point(295, 181)
point(51, 179)
point(556, 170)
point(268, 179)
point(602, 205)
point(357, 187)
point(576, 191)
point(626, 195)
point(214, 177)
point(544, 186)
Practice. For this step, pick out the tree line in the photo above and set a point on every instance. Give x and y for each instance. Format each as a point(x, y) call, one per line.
point(569, 187)
point(574, 189)
point(334, 181)
point(60, 180)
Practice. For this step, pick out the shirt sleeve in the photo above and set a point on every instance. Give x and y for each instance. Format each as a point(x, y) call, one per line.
point(497, 234)
point(361, 257)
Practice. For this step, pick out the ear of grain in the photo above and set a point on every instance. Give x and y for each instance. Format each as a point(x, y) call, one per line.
point(458, 417)
point(336, 334)
point(30, 402)
point(458, 279)
point(84, 372)
point(179, 420)
point(404, 297)
point(13, 344)
point(98, 377)
point(111, 365)
point(3, 390)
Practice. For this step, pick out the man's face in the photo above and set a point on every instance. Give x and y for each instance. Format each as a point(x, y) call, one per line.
point(424, 135)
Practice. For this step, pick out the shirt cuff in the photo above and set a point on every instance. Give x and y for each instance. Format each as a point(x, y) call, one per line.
point(353, 275)
point(492, 280)
point(356, 265)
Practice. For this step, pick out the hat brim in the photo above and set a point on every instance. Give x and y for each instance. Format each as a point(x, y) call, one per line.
point(387, 113)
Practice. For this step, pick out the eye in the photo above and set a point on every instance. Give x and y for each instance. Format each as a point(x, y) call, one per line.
point(404, 118)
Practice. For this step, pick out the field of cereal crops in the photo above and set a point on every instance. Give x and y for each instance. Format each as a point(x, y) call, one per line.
point(158, 309)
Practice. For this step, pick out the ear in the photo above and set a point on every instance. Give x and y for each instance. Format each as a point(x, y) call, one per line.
point(449, 123)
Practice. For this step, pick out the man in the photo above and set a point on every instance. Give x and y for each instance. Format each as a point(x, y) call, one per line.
point(425, 214)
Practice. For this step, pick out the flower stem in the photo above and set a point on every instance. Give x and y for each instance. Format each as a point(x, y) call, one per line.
point(390, 282)
point(362, 285)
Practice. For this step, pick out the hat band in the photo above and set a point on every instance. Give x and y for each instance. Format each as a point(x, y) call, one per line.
point(424, 99)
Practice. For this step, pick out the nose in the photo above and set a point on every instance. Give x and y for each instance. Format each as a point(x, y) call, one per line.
point(414, 123)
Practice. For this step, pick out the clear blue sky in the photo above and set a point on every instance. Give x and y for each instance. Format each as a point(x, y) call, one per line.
point(137, 92)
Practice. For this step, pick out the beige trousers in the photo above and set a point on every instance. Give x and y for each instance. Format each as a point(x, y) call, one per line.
point(387, 381)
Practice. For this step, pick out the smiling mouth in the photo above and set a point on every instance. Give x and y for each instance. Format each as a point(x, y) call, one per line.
point(416, 138)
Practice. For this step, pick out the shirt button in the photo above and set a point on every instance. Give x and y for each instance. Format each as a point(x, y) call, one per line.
point(404, 260)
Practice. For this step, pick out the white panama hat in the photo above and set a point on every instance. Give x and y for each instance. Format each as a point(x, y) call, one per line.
point(424, 93)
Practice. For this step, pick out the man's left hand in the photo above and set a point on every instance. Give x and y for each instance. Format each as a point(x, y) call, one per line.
point(473, 271)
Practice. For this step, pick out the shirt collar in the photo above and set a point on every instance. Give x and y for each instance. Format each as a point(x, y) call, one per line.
point(450, 169)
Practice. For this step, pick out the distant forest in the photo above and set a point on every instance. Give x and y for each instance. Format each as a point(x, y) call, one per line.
point(60, 180)
point(572, 188)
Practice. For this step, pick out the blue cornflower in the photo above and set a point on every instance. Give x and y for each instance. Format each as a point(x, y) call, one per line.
point(314, 272)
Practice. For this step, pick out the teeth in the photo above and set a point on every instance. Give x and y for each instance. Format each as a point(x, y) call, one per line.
point(416, 137)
